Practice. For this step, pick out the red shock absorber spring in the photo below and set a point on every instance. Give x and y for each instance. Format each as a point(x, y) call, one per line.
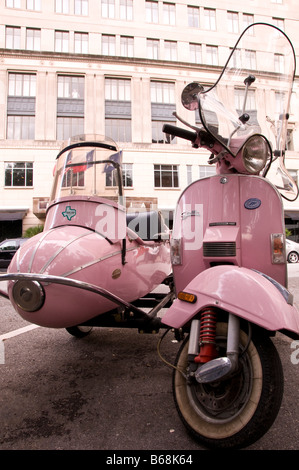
point(207, 336)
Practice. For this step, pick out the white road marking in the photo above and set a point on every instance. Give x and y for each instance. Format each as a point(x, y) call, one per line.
point(11, 334)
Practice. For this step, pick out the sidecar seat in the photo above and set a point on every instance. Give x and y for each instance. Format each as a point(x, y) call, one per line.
point(148, 225)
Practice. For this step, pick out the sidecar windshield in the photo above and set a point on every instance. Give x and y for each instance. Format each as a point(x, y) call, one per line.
point(252, 94)
point(88, 166)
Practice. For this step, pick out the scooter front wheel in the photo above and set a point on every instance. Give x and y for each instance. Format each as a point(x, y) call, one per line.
point(237, 411)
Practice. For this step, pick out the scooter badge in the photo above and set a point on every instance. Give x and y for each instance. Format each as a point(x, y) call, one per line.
point(69, 213)
point(252, 203)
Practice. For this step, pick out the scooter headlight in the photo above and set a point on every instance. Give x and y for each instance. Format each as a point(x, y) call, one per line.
point(255, 153)
point(28, 295)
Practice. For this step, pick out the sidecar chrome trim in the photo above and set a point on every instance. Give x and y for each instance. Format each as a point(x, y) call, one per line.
point(98, 260)
point(60, 249)
point(71, 283)
point(44, 235)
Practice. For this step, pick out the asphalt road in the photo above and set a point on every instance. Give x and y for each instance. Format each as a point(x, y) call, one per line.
point(109, 391)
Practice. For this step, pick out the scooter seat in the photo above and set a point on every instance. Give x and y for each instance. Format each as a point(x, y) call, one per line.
point(148, 225)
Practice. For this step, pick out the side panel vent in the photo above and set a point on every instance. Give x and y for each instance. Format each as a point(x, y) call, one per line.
point(219, 249)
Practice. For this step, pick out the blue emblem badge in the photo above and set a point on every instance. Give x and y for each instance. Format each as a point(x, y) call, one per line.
point(252, 203)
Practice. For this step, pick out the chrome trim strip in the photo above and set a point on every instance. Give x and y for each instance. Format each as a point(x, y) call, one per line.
point(98, 260)
point(71, 283)
point(61, 249)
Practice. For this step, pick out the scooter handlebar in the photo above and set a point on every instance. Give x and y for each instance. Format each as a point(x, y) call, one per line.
point(179, 132)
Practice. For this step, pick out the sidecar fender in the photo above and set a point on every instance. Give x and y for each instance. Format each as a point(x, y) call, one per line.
point(244, 292)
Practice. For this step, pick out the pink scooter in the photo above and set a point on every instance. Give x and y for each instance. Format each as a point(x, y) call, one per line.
point(228, 253)
point(96, 265)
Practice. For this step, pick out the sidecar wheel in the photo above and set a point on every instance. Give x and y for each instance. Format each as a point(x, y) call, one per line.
point(236, 411)
point(79, 331)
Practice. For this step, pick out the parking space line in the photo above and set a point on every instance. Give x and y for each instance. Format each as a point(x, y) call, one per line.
point(11, 334)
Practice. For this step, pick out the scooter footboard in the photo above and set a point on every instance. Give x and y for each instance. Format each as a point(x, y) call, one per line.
point(244, 292)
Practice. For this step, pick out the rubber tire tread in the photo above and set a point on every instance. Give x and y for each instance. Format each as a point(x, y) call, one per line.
point(268, 406)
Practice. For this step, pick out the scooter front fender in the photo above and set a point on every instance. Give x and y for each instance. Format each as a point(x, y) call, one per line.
point(244, 292)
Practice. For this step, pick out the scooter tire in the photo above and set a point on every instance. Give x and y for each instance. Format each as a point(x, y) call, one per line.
point(235, 412)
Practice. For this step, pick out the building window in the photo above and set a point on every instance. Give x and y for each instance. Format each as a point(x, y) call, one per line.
point(20, 84)
point(250, 59)
point(193, 17)
point(21, 106)
point(13, 3)
point(212, 55)
point(33, 5)
point(61, 41)
point(162, 108)
point(206, 171)
point(290, 146)
point(248, 20)
point(279, 22)
point(151, 11)
point(33, 39)
point(126, 9)
point(19, 174)
point(126, 46)
point(127, 172)
point(118, 109)
point(233, 22)
point(250, 100)
point(169, 14)
point(250, 107)
point(70, 86)
point(279, 104)
point(71, 177)
point(70, 106)
point(166, 176)
point(108, 8)
point(189, 174)
point(62, 6)
point(210, 19)
point(170, 50)
point(81, 43)
point(68, 127)
point(81, 7)
point(195, 53)
point(12, 37)
point(108, 44)
point(152, 46)
point(278, 63)
point(20, 127)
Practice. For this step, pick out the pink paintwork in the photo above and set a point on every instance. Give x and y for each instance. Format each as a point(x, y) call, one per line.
point(87, 238)
point(222, 218)
point(76, 252)
point(240, 291)
point(243, 239)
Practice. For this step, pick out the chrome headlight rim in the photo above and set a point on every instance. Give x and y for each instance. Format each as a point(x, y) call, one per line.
point(255, 153)
point(28, 295)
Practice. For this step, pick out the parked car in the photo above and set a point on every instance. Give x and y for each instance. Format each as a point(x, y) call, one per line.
point(292, 249)
point(8, 248)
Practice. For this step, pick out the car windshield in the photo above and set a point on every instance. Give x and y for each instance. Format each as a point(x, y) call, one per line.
point(88, 166)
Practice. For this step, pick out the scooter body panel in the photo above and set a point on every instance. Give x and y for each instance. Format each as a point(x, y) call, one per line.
point(228, 219)
point(241, 291)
